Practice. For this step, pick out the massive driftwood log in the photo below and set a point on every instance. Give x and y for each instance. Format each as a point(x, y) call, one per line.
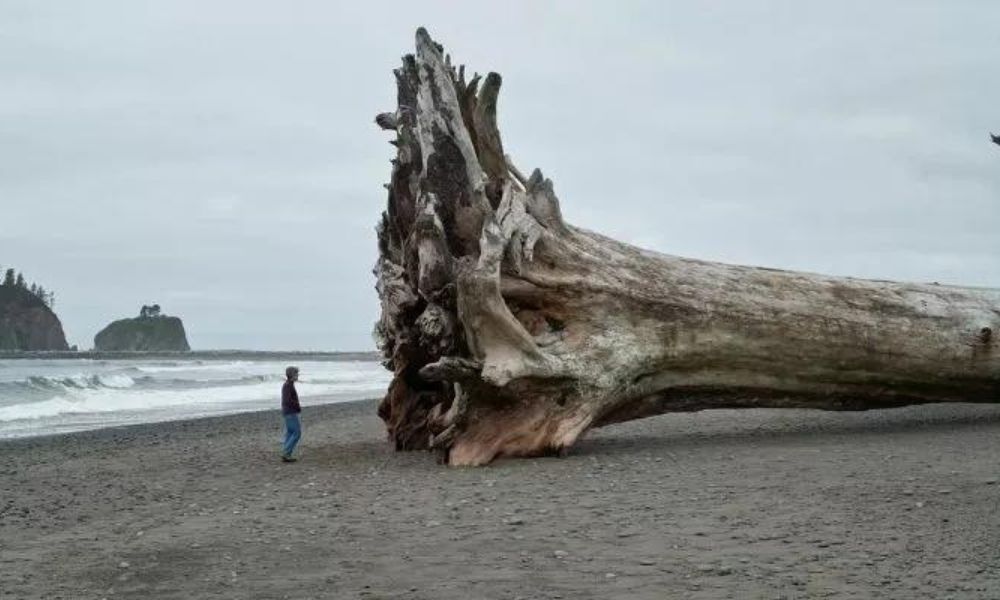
point(511, 332)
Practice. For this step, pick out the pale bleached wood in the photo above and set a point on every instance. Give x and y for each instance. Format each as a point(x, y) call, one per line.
point(511, 332)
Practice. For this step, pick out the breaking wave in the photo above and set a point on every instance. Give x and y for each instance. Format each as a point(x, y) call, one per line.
point(68, 395)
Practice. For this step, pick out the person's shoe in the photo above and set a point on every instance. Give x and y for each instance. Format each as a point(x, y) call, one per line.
point(288, 459)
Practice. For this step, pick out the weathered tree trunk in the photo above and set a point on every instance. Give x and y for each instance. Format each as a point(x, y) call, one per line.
point(511, 332)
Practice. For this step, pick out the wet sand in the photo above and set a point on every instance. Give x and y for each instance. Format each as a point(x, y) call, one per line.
point(724, 504)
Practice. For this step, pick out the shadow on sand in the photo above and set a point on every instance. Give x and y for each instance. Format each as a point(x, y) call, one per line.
point(783, 426)
point(706, 429)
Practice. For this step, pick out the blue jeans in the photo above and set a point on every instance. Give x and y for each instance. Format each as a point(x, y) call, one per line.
point(293, 431)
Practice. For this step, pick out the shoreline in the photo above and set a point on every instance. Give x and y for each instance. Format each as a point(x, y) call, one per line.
point(252, 415)
point(752, 503)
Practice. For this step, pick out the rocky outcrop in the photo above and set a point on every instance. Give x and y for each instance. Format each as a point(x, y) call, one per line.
point(143, 333)
point(26, 323)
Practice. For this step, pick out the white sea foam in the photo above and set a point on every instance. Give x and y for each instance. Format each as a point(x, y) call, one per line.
point(115, 400)
point(228, 366)
point(117, 381)
point(48, 397)
point(75, 381)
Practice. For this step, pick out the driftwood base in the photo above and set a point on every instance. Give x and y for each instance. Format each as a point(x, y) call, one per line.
point(511, 332)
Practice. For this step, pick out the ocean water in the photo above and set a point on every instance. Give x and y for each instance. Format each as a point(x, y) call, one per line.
point(46, 396)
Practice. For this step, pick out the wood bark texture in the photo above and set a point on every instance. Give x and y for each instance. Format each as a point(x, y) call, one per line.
point(511, 332)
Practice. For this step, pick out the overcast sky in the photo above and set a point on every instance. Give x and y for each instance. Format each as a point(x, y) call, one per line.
point(219, 158)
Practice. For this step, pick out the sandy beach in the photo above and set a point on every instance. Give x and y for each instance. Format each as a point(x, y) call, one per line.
point(726, 504)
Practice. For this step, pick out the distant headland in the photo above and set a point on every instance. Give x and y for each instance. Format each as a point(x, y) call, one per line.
point(27, 322)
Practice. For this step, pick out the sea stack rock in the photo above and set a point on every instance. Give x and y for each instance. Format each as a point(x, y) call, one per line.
point(27, 323)
point(150, 331)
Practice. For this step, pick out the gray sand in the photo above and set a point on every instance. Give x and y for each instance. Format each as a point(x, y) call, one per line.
point(725, 504)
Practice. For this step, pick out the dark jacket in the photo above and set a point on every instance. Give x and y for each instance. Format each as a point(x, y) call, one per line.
point(289, 399)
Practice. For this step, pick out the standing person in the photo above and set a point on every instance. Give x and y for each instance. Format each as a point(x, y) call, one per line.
point(290, 409)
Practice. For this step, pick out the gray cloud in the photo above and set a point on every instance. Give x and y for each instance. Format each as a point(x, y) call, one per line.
point(220, 158)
